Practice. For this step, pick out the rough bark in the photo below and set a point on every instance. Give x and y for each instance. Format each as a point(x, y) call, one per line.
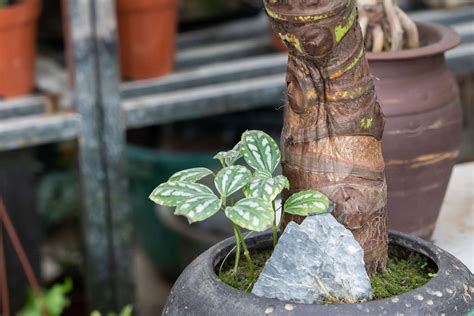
point(331, 139)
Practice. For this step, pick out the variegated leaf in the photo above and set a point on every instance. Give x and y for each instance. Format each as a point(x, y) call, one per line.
point(199, 208)
point(267, 189)
point(254, 214)
point(260, 151)
point(231, 179)
point(190, 175)
point(305, 203)
point(175, 193)
point(228, 158)
point(262, 174)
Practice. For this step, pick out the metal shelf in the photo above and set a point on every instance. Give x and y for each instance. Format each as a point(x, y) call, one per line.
point(35, 130)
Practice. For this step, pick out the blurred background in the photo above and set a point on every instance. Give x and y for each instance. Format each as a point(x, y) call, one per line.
point(101, 101)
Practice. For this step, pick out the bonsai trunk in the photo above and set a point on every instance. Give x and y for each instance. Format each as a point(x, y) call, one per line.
point(331, 140)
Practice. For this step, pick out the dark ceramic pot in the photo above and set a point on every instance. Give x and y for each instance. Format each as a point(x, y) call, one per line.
point(420, 99)
point(198, 291)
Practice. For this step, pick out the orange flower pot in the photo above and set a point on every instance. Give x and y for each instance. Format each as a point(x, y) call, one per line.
point(278, 43)
point(17, 47)
point(147, 35)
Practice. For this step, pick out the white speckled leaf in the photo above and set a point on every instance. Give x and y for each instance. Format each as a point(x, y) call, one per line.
point(190, 175)
point(174, 193)
point(254, 214)
point(228, 158)
point(260, 151)
point(305, 203)
point(267, 189)
point(199, 208)
point(231, 179)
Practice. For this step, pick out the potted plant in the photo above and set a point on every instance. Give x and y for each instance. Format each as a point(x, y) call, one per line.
point(331, 142)
point(224, 284)
point(147, 34)
point(17, 51)
point(424, 123)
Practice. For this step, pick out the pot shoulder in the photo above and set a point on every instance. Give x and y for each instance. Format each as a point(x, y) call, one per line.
point(198, 291)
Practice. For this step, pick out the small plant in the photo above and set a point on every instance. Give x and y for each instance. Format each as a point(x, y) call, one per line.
point(126, 311)
point(256, 210)
point(55, 298)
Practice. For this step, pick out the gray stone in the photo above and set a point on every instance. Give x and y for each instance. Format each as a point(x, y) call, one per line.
point(315, 260)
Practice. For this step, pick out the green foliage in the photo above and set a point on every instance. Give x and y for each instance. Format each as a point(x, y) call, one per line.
point(260, 151)
point(126, 311)
point(229, 158)
point(306, 203)
point(231, 179)
point(190, 175)
point(256, 212)
point(266, 188)
point(3, 3)
point(55, 298)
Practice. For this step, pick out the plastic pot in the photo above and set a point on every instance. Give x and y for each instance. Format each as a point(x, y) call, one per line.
point(17, 47)
point(147, 34)
point(421, 103)
point(198, 291)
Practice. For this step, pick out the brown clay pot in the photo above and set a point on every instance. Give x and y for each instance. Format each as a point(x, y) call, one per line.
point(147, 32)
point(420, 99)
point(278, 43)
point(17, 47)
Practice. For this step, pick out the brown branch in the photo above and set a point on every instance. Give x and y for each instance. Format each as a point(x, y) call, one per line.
point(22, 257)
point(410, 27)
point(396, 29)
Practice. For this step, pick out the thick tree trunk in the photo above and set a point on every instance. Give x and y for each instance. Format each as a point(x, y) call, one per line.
point(331, 140)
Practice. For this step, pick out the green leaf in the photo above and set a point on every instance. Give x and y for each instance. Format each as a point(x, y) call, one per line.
point(127, 310)
point(305, 203)
point(260, 151)
point(231, 179)
point(260, 174)
point(254, 214)
point(55, 298)
point(228, 158)
point(199, 208)
point(175, 193)
point(268, 188)
point(190, 175)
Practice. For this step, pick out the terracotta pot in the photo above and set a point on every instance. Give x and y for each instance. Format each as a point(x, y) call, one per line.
point(278, 43)
point(17, 47)
point(147, 32)
point(420, 99)
point(199, 291)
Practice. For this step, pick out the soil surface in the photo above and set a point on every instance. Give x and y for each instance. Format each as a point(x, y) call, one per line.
point(406, 271)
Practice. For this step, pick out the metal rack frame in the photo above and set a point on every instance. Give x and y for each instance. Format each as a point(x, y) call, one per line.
point(222, 76)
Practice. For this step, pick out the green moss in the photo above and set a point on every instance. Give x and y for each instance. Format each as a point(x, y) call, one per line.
point(406, 271)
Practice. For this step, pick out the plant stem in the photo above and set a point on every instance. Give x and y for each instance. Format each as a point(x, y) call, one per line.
point(275, 228)
point(237, 250)
point(246, 253)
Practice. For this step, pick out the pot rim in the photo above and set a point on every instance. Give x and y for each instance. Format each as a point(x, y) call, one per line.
point(19, 13)
point(415, 244)
point(448, 39)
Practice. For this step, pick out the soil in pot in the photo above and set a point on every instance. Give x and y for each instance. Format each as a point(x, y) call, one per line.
point(406, 271)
